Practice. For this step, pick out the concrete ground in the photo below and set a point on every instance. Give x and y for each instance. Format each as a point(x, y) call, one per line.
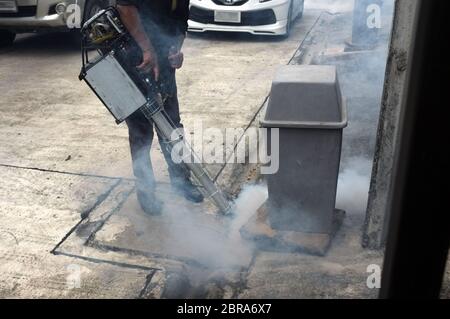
point(70, 224)
point(63, 159)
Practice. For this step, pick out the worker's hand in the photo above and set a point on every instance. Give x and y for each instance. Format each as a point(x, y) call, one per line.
point(176, 58)
point(149, 63)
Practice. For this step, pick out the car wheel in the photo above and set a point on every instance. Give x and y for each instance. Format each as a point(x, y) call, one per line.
point(93, 7)
point(289, 20)
point(302, 8)
point(6, 38)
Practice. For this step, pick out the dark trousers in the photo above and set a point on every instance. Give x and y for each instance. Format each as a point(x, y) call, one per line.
point(141, 133)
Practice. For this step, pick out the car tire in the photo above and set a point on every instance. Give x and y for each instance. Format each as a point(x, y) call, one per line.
point(289, 20)
point(6, 38)
point(300, 15)
point(92, 7)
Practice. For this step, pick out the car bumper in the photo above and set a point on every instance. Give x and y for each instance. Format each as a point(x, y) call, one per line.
point(278, 28)
point(255, 17)
point(34, 15)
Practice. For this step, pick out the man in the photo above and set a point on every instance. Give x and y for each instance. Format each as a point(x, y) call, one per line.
point(159, 28)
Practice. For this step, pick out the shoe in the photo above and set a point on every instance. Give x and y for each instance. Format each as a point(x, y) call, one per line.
point(190, 192)
point(149, 203)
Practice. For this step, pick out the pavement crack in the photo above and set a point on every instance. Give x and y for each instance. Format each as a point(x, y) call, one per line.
point(44, 170)
point(135, 252)
point(242, 285)
point(101, 223)
point(105, 261)
point(85, 214)
point(148, 281)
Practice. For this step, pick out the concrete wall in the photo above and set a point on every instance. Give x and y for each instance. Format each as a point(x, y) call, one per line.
point(375, 226)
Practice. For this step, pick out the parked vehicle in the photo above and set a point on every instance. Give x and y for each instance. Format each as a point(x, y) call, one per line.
point(267, 17)
point(23, 16)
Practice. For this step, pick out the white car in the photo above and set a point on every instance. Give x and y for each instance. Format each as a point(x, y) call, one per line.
point(267, 17)
point(22, 16)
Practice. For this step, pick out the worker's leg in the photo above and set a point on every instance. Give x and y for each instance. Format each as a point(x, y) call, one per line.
point(179, 176)
point(140, 137)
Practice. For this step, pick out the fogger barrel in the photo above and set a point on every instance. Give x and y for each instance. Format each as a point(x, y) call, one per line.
point(114, 78)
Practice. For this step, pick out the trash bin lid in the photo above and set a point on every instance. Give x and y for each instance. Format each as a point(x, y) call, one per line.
point(306, 96)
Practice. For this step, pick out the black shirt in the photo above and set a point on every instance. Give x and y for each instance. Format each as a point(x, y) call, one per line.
point(164, 20)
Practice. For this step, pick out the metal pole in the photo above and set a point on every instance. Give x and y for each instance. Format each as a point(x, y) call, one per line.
point(419, 232)
point(366, 24)
point(377, 217)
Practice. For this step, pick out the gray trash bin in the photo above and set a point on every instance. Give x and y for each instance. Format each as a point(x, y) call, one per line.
point(307, 106)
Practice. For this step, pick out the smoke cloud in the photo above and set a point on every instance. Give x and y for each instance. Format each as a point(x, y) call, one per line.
point(215, 241)
point(353, 186)
point(250, 199)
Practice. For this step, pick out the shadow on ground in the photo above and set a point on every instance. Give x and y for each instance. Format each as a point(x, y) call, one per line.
point(45, 43)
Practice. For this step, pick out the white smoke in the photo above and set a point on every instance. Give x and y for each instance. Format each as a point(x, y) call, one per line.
point(249, 200)
point(214, 241)
point(353, 186)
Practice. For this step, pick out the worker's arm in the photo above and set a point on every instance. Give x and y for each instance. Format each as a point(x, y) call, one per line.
point(176, 57)
point(131, 20)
